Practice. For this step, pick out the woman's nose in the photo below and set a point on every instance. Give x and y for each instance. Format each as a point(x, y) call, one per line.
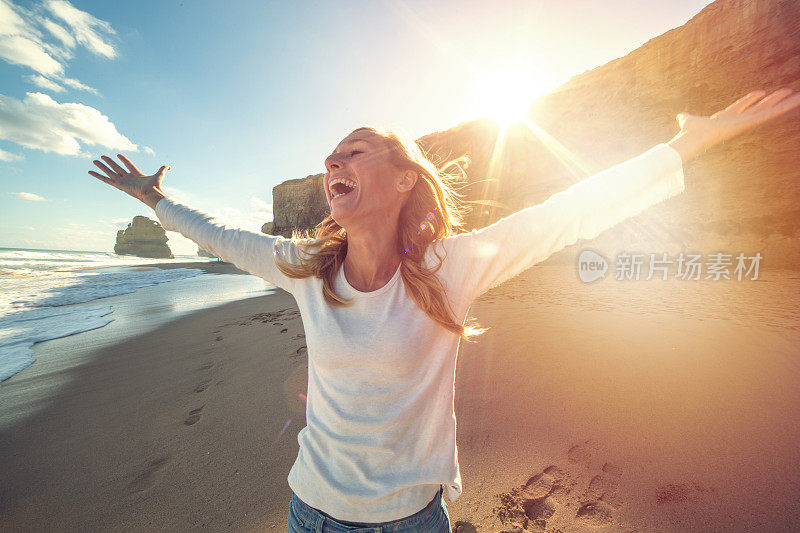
point(332, 164)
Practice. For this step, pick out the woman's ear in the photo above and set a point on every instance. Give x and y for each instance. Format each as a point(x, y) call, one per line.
point(407, 181)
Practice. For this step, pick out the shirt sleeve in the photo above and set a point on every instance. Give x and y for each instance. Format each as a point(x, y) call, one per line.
point(250, 251)
point(486, 257)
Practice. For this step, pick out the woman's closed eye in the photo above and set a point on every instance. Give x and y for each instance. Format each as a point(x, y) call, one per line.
point(355, 152)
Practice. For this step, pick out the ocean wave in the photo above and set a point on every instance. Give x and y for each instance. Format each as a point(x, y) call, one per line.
point(20, 331)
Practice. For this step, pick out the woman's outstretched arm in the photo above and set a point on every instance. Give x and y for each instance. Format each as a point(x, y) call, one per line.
point(248, 250)
point(698, 134)
point(484, 258)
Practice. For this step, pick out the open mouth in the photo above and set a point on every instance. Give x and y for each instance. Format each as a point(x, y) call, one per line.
point(340, 189)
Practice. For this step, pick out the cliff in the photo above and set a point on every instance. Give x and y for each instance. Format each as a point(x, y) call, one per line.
point(204, 253)
point(143, 238)
point(297, 204)
point(740, 196)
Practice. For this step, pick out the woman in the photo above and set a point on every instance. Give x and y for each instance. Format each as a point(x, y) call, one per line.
point(384, 287)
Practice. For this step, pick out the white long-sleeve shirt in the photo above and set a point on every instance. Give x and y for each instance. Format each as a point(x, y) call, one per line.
point(381, 427)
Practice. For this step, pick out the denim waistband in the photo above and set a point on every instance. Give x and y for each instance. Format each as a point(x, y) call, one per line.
point(425, 509)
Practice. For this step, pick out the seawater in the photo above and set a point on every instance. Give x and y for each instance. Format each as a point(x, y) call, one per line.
point(39, 290)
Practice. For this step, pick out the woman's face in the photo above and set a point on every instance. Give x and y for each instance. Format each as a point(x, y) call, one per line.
point(363, 159)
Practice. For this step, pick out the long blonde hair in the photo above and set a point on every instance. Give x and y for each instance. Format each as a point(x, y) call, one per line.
point(432, 211)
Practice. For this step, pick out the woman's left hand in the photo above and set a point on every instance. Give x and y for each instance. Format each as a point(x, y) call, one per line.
point(737, 118)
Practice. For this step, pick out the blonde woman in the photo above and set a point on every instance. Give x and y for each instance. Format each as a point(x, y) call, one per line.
point(384, 287)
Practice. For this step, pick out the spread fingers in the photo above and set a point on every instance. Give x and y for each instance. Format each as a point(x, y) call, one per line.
point(104, 168)
point(128, 163)
point(113, 164)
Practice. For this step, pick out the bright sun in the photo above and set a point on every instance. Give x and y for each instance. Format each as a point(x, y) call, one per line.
point(505, 94)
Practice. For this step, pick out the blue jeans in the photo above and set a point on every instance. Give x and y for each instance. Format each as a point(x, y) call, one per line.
point(306, 519)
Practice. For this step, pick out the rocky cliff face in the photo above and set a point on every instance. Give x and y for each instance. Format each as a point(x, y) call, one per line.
point(741, 196)
point(297, 204)
point(143, 238)
point(204, 253)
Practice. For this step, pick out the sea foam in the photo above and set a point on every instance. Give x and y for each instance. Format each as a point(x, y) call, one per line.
point(40, 306)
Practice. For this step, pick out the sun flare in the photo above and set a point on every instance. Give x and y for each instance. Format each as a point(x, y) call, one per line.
point(506, 94)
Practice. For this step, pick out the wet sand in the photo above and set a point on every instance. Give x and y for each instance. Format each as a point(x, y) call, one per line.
point(639, 406)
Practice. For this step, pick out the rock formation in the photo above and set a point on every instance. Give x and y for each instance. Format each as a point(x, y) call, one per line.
point(204, 253)
point(740, 197)
point(297, 204)
point(143, 238)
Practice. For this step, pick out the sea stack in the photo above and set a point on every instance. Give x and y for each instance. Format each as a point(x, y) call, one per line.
point(143, 238)
point(204, 253)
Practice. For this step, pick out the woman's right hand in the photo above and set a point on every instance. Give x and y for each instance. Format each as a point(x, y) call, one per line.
point(133, 182)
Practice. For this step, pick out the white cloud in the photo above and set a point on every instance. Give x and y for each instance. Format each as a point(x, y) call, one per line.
point(59, 33)
point(75, 84)
point(23, 51)
point(23, 43)
point(181, 196)
point(87, 29)
point(58, 52)
point(261, 209)
point(50, 85)
point(148, 150)
point(44, 83)
point(11, 22)
point(235, 217)
point(30, 196)
point(9, 157)
point(41, 123)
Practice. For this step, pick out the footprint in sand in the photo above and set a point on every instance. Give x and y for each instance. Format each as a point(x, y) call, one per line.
point(601, 497)
point(300, 351)
point(463, 527)
point(581, 454)
point(272, 317)
point(604, 485)
point(146, 478)
point(194, 416)
point(218, 338)
point(681, 493)
point(595, 513)
point(552, 491)
point(535, 502)
point(202, 386)
point(284, 330)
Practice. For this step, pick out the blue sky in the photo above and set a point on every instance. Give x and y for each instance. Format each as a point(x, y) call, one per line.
point(238, 97)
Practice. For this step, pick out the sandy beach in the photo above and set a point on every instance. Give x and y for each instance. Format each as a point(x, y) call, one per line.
point(638, 406)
